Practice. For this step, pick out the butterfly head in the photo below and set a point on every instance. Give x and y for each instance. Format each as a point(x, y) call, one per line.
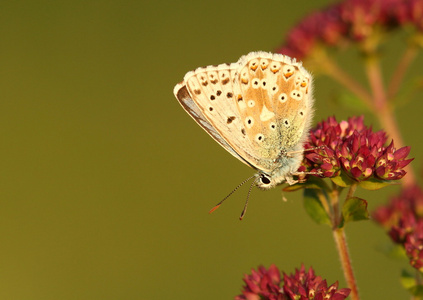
point(287, 167)
point(265, 181)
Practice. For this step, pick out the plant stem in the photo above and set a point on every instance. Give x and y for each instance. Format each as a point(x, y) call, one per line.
point(341, 245)
point(399, 73)
point(336, 218)
point(330, 68)
point(384, 112)
point(325, 203)
point(340, 240)
point(351, 191)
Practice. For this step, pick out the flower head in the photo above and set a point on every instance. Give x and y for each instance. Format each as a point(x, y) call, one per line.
point(408, 202)
point(306, 285)
point(263, 283)
point(350, 21)
point(403, 219)
point(266, 284)
point(354, 149)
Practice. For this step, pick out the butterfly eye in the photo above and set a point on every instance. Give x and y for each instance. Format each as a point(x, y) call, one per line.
point(264, 179)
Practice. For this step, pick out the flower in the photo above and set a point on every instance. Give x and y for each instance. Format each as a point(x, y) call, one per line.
point(409, 201)
point(266, 284)
point(403, 220)
point(306, 285)
point(350, 21)
point(354, 149)
point(389, 165)
point(262, 284)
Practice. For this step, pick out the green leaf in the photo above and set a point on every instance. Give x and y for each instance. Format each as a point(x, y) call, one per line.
point(342, 180)
point(314, 207)
point(311, 183)
point(407, 280)
point(393, 251)
point(317, 183)
point(372, 184)
point(417, 291)
point(354, 209)
point(293, 188)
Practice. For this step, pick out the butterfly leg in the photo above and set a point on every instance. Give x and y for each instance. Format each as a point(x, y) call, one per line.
point(289, 154)
point(290, 180)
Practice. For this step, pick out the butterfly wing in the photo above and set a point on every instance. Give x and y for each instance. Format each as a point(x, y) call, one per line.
point(277, 105)
point(182, 94)
point(212, 91)
point(240, 106)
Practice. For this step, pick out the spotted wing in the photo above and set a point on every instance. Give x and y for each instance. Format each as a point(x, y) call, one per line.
point(208, 95)
point(275, 104)
point(184, 98)
point(254, 108)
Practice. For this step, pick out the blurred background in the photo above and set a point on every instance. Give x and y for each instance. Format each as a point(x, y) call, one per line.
point(106, 182)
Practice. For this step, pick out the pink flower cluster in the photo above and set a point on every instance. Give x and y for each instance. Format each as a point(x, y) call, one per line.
point(352, 148)
point(266, 284)
point(403, 219)
point(351, 20)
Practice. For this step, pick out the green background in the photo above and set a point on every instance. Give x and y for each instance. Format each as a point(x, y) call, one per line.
point(106, 182)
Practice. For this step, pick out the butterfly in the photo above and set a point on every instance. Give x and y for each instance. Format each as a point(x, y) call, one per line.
point(259, 109)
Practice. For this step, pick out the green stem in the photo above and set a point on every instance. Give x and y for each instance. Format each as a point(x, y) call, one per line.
point(336, 218)
point(351, 191)
point(342, 247)
point(325, 203)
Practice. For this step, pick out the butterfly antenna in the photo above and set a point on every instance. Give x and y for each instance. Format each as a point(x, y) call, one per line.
point(234, 190)
point(246, 202)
